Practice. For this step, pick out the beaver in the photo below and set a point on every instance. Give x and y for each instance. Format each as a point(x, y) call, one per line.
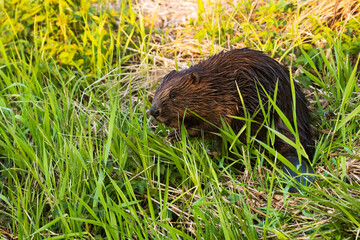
point(236, 83)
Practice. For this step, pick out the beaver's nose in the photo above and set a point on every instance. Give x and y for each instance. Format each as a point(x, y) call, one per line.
point(154, 111)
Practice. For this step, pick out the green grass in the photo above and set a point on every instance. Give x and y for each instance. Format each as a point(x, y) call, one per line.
point(81, 159)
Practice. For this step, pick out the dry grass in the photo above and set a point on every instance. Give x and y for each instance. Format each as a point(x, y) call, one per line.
point(169, 14)
point(330, 13)
point(180, 18)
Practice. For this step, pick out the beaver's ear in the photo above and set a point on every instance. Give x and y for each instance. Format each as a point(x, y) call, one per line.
point(170, 74)
point(194, 78)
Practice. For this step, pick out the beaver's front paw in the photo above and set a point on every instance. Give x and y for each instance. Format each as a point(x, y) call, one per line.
point(173, 136)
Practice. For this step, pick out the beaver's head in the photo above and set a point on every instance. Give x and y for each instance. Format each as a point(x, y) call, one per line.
point(178, 92)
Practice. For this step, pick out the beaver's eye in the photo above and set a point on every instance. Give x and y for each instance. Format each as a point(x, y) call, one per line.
point(172, 96)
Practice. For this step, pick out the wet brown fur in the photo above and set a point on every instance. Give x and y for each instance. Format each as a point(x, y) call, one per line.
point(211, 89)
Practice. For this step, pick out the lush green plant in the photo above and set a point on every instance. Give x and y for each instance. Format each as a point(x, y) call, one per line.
point(80, 158)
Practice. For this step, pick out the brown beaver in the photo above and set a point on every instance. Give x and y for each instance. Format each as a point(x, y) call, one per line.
point(229, 84)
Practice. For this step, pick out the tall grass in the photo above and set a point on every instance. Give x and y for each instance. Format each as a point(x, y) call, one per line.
point(80, 158)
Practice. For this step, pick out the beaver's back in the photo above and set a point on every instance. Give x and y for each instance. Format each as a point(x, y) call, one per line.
point(252, 74)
